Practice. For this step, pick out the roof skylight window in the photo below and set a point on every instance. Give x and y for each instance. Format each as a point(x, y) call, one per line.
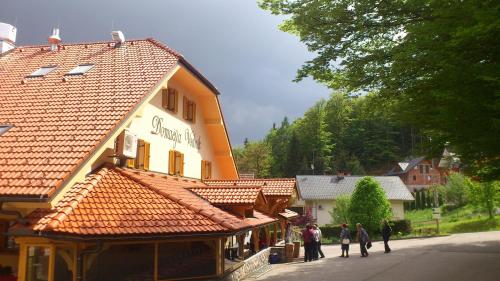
point(80, 69)
point(42, 71)
point(4, 128)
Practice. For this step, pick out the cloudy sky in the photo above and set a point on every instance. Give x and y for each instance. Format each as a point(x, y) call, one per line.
point(236, 45)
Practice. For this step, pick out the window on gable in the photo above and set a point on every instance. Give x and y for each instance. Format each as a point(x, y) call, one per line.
point(4, 128)
point(175, 163)
point(189, 110)
point(42, 71)
point(141, 160)
point(80, 69)
point(206, 170)
point(169, 99)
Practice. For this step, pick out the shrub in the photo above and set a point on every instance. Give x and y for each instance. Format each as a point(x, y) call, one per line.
point(401, 226)
point(331, 231)
point(340, 213)
point(369, 205)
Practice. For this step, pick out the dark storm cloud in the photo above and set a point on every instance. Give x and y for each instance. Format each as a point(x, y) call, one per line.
point(234, 43)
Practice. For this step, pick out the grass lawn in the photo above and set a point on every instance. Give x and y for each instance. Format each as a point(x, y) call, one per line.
point(460, 220)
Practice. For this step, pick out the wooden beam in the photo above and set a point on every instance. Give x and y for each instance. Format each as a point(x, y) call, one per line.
point(212, 122)
point(268, 236)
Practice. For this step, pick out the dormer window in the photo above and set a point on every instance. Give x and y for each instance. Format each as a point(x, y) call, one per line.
point(4, 128)
point(80, 69)
point(42, 71)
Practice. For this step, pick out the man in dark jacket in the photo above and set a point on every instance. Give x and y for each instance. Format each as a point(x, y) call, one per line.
point(386, 233)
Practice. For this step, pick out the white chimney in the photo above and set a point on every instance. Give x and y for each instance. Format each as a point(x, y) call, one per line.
point(54, 39)
point(118, 37)
point(7, 37)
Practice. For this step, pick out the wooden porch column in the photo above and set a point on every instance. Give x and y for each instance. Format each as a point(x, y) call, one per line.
point(219, 256)
point(275, 234)
point(255, 239)
point(267, 235)
point(241, 246)
point(282, 225)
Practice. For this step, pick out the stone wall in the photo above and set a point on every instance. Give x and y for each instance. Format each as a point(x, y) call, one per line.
point(252, 264)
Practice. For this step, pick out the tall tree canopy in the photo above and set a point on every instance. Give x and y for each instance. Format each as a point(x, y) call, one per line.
point(359, 135)
point(438, 60)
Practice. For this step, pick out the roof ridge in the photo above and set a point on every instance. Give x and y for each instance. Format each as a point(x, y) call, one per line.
point(163, 46)
point(85, 188)
point(80, 43)
point(180, 201)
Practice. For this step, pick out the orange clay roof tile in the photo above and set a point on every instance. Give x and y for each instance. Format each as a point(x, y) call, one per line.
point(222, 195)
point(116, 201)
point(270, 187)
point(59, 120)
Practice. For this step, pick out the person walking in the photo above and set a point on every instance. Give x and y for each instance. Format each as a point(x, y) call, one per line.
point(363, 239)
point(314, 244)
point(345, 239)
point(386, 233)
point(307, 237)
point(320, 236)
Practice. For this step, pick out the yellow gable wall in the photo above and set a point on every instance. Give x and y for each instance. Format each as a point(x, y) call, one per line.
point(223, 164)
point(160, 146)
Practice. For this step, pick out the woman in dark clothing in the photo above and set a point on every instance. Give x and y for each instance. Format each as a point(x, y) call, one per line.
point(345, 239)
point(363, 238)
point(386, 233)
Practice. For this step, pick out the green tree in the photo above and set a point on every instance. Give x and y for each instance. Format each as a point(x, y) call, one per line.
point(369, 204)
point(253, 158)
point(485, 196)
point(314, 138)
point(456, 189)
point(340, 213)
point(438, 60)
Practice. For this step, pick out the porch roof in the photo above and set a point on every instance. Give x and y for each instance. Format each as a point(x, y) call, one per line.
point(270, 187)
point(117, 201)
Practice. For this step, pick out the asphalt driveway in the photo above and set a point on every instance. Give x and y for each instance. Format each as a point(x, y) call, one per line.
point(467, 257)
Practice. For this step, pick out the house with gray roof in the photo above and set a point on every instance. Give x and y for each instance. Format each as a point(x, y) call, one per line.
point(318, 193)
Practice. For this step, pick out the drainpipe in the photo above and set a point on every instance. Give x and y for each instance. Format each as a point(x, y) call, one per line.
point(19, 217)
point(80, 258)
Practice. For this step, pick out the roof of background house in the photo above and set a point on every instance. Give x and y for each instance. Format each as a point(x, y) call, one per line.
point(330, 187)
point(270, 187)
point(229, 195)
point(59, 120)
point(405, 166)
point(119, 201)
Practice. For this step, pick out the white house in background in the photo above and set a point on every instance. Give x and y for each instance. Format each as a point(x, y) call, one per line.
point(318, 194)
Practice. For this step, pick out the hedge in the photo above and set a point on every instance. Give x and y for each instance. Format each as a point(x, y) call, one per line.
point(333, 231)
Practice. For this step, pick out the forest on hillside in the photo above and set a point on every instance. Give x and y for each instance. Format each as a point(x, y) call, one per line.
point(356, 134)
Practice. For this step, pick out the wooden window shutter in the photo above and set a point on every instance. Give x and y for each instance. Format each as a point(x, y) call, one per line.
point(146, 155)
point(176, 101)
point(209, 168)
point(185, 107)
point(130, 163)
point(203, 170)
point(139, 159)
point(171, 162)
point(181, 168)
point(164, 98)
point(194, 112)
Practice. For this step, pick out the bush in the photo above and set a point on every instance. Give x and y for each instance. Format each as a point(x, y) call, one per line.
point(369, 205)
point(403, 226)
point(331, 231)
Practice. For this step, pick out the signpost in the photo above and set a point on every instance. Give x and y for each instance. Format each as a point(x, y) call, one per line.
point(436, 214)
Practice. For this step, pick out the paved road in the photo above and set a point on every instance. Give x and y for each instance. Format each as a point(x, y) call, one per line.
point(467, 257)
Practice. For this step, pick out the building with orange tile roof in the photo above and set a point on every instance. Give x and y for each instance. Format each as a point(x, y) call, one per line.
point(115, 165)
